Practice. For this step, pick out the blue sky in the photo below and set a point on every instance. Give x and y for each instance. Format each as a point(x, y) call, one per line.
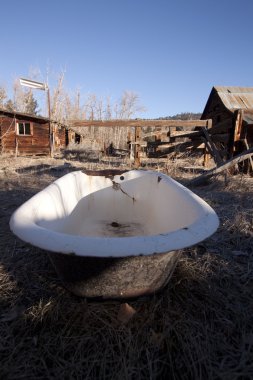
point(169, 52)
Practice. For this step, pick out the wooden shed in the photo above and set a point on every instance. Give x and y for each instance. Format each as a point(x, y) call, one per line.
point(23, 134)
point(231, 111)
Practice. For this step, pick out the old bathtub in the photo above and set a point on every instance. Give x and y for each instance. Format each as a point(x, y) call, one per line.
point(113, 234)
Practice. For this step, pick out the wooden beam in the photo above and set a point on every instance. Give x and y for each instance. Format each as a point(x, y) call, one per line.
point(215, 171)
point(158, 143)
point(137, 138)
point(138, 123)
point(207, 155)
point(180, 147)
point(209, 123)
point(245, 141)
point(185, 134)
point(238, 126)
point(212, 148)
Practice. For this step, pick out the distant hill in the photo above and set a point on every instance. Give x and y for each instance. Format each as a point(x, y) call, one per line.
point(183, 116)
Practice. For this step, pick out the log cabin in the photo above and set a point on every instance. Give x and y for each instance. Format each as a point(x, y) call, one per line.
point(27, 135)
point(231, 111)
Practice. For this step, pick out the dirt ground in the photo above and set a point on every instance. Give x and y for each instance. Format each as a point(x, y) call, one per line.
point(198, 327)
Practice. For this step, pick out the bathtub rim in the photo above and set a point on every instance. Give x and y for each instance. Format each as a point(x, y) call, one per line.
point(27, 230)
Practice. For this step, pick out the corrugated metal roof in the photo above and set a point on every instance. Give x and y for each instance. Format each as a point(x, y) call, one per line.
point(233, 89)
point(236, 97)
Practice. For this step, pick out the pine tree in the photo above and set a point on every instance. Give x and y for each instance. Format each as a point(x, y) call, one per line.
point(30, 103)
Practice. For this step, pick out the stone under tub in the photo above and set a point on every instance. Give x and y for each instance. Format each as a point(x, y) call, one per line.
point(114, 234)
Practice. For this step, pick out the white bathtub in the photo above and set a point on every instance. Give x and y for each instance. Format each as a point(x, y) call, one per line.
point(115, 215)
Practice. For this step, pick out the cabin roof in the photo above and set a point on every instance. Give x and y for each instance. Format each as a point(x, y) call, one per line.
point(233, 98)
point(236, 97)
point(23, 115)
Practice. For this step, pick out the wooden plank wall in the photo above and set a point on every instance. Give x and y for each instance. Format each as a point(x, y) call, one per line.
point(35, 144)
point(8, 135)
point(60, 137)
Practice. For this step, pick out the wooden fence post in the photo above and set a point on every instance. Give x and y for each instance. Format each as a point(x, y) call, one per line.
point(137, 160)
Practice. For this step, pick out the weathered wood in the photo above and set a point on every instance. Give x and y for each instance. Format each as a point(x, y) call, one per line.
point(217, 170)
point(159, 143)
point(185, 134)
point(36, 143)
point(207, 156)
point(238, 126)
point(137, 138)
point(222, 127)
point(209, 123)
point(177, 148)
point(138, 123)
point(212, 147)
point(245, 141)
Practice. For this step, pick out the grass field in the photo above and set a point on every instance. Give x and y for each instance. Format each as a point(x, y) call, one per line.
point(198, 327)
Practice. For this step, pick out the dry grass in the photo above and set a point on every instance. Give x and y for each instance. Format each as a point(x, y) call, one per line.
point(199, 327)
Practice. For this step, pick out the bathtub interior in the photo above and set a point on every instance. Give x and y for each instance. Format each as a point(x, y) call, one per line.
point(136, 203)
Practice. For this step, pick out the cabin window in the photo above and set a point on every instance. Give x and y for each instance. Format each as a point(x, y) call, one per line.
point(24, 128)
point(218, 119)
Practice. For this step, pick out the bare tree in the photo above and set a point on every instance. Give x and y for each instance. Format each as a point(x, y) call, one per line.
point(73, 108)
point(58, 101)
point(65, 106)
point(23, 99)
point(103, 109)
point(128, 105)
point(3, 96)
